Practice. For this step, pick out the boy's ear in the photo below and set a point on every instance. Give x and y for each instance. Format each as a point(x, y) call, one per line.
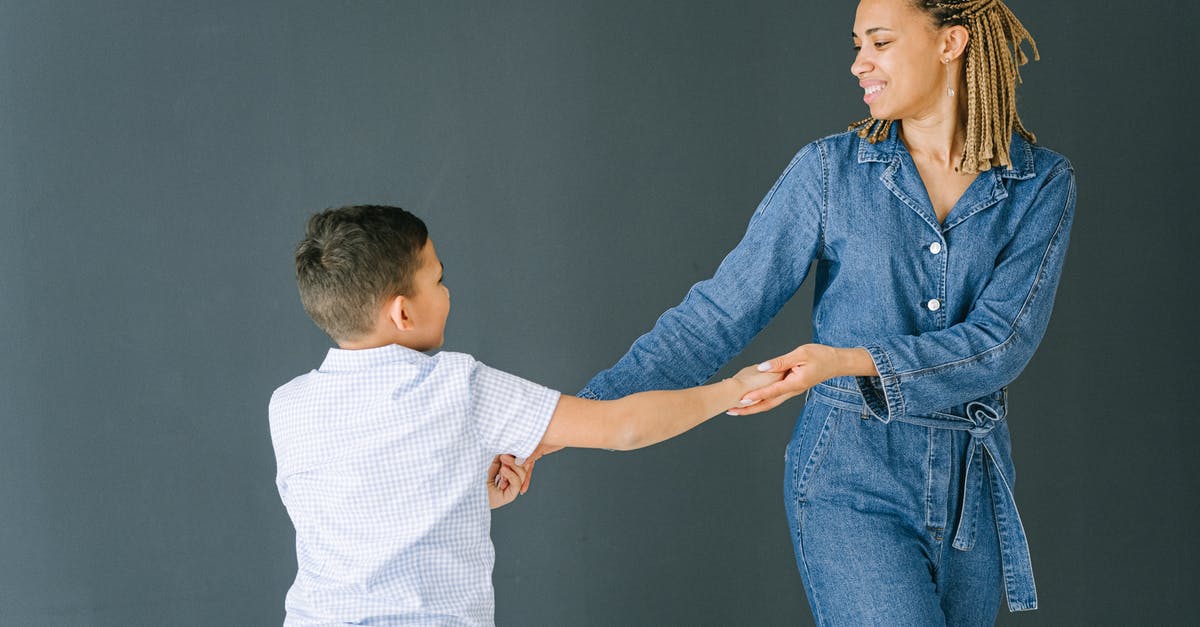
point(397, 313)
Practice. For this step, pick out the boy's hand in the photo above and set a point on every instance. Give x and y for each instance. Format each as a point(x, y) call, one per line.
point(505, 477)
point(753, 379)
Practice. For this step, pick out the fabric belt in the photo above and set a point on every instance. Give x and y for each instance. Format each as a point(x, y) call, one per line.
point(979, 421)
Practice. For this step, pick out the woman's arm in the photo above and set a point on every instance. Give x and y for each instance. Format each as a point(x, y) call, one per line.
point(917, 374)
point(719, 316)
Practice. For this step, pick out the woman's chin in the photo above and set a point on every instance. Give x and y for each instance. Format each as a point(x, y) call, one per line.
point(880, 112)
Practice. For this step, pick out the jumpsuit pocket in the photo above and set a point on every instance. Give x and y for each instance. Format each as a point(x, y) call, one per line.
point(810, 444)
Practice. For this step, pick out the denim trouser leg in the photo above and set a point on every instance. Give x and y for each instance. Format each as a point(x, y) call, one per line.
point(873, 508)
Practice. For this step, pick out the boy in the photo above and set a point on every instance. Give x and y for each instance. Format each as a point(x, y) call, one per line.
point(383, 452)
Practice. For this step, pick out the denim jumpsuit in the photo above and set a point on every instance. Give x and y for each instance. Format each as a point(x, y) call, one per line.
point(898, 488)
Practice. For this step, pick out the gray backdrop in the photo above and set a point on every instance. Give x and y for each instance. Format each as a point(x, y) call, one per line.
point(580, 164)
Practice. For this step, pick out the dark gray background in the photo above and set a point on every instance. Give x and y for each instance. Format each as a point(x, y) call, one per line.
point(580, 164)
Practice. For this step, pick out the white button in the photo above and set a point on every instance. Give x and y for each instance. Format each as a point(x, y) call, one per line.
point(934, 304)
point(935, 247)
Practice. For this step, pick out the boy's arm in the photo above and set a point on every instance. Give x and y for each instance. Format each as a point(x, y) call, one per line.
point(646, 418)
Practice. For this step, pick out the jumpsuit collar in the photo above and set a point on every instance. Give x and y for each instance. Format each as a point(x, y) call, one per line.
point(902, 178)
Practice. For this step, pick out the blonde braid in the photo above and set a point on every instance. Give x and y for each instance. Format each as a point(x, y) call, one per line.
point(994, 54)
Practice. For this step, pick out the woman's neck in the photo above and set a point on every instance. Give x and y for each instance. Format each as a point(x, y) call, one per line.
point(937, 138)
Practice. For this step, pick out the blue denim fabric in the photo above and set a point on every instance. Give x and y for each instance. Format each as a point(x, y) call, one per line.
point(950, 313)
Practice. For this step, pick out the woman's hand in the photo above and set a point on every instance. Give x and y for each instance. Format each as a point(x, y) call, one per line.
point(803, 368)
point(505, 477)
point(541, 450)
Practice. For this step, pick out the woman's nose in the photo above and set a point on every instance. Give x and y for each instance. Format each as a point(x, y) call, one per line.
point(860, 66)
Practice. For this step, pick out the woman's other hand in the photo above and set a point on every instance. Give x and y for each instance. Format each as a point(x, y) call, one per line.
point(505, 478)
point(803, 368)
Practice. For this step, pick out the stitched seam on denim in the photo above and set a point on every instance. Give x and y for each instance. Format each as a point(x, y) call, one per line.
point(1033, 291)
point(929, 478)
point(942, 312)
point(827, 399)
point(804, 564)
point(794, 463)
point(824, 199)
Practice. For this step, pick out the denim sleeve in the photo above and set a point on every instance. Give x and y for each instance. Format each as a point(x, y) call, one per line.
point(720, 315)
point(986, 351)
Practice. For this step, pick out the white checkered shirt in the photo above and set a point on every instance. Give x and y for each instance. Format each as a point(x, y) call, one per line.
point(383, 457)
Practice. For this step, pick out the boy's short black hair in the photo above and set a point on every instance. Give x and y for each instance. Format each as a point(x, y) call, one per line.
point(354, 258)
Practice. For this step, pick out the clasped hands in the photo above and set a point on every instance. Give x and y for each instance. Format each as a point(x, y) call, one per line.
point(803, 368)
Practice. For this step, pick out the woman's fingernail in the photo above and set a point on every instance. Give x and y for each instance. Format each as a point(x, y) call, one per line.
point(746, 401)
point(732, 413)
point(764, 366)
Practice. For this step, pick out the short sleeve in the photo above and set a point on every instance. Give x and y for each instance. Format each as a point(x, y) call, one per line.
point(510, 413)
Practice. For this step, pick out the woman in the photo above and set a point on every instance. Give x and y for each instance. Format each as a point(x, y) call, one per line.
point(939, 230)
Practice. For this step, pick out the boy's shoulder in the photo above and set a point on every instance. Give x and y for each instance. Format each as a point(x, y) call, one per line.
point(444, 364)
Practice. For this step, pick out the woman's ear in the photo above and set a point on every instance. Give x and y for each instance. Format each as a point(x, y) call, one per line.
point(954, 42)
point(397, 310)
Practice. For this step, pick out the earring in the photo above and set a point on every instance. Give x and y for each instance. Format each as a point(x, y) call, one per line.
point(949, 79)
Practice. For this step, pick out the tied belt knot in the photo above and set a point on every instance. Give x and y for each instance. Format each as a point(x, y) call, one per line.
point(982, 465)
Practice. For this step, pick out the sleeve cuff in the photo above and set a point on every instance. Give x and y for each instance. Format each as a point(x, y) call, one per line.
point(544, 411)
point(882, 394)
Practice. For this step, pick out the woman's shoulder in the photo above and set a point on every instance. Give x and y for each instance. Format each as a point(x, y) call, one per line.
point(1033, 163)
point(1049, 162)
point(848, 147)
point(830, 147)
point(836, 142)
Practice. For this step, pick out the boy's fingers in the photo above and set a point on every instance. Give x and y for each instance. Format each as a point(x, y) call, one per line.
point(761, 407)
point(786, 386)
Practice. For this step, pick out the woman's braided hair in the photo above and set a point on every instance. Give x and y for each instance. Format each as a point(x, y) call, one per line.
point(993, 56)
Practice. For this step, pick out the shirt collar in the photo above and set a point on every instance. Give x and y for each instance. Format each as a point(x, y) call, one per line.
point(1020, 154)
point(341, 360)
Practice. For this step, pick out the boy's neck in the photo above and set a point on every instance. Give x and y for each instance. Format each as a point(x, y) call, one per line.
point(361, 345)
point(376, 341)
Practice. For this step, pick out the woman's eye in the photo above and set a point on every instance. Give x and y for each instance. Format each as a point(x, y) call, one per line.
point(880, 44)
